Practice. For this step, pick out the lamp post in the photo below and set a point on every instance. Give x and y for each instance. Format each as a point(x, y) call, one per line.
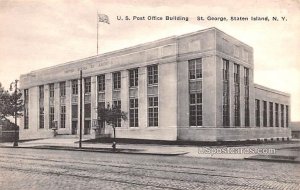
point(15, 83)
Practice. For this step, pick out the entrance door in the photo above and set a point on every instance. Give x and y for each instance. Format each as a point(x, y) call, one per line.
point(101, 127)
point(74, 127)
point(87, 127)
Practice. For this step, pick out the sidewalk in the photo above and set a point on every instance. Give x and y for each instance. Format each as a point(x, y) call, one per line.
point(285, 152)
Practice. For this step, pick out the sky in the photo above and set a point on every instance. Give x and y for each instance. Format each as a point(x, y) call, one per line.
point(35, 34)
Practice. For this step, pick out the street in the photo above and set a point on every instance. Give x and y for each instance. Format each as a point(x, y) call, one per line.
point(56, 169)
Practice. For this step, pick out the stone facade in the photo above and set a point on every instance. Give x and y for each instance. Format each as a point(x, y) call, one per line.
point(174, 58)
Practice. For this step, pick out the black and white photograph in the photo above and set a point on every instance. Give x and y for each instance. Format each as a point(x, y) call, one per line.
point(153, 94)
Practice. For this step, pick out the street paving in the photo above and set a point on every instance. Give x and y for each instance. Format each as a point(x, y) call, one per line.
point(57, 169)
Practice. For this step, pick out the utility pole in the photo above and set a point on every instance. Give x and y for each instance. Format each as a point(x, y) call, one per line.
point(80, 112)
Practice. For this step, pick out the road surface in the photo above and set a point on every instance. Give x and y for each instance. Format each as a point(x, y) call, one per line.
point(56, 169)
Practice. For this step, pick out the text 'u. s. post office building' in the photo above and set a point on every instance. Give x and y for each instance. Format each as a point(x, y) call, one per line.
point(193, 87)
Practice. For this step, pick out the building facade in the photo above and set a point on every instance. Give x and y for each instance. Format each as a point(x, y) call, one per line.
point(194, 87)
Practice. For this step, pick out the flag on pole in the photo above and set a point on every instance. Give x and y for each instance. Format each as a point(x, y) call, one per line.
point(103, 18)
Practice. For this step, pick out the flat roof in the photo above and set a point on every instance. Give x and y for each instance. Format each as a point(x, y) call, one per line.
point(258, 86)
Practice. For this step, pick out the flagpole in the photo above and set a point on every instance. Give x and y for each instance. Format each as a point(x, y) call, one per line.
point(97, 30)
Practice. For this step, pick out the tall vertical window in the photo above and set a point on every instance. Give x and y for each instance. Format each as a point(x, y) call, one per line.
point(134, 112)
point(101, 83)
point(87, 85)
point(26, 96)
point(74, 111)
point(236, 95)
point(26, 118)
point(62, 89)
point(265, 119)
point(74, 87)
point(133, 77)
point(51, 117)
point(117, 104)
point(276, 115)
point(282, 115)
point(117, 80)
point(153, 111)
point(246, 83)
point(287, 115)
point(26, 99)
point(271, 114)
point(195, 80)
point(41, 92)
point(41, 117)
point(51, 90)
point(196, 109)
point(152, 74)
point(87, 111)
point(226, 101)
point(41, 107)
point(101, 105)
point(195, 68)
point(63, 117)
point(257, 112)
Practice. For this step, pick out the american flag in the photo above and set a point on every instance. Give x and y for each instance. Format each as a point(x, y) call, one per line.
point(103, 18)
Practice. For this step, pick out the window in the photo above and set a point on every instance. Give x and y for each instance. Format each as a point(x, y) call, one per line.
point(51, 117)
point(41, 92)
point(236, 95)
point(133, 77)
point(74, 87)
point(51, 90)
point(117, 104)
point(246, 83)
point(152, 74)
point(87, 85)
point(41, 118)
point(62, 89)
point(26, 118)
point(287, 116)
point(87, 110)
point(101, 123)
point(153, 111)
point(276, 115)
point(74, 111)
point(257, 112)
point(196, 109)
point(116, 80)
point(101, 83)
point(195, 69)
point(26, 96)
point(63, 117)
point(133, 112)
point(271, 114)
point(265, 114)
point(226, 100)
point(282, 115)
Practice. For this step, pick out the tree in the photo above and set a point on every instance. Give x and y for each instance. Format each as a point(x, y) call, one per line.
point(4, 98)
point(11, 105)
point(111, 115)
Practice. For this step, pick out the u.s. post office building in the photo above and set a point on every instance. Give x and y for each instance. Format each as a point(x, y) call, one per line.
point(193, 87)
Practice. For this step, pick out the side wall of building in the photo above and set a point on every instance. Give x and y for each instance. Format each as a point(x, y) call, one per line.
point(279, 115)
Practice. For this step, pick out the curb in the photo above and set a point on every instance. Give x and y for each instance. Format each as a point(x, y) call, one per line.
point(100, 151)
